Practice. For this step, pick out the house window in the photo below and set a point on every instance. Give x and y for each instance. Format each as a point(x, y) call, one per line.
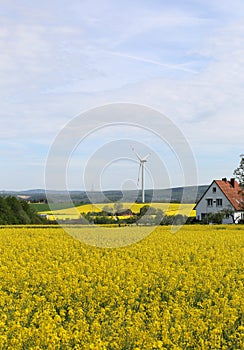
point(219, 202)
point(214, 189)
point(209, 202)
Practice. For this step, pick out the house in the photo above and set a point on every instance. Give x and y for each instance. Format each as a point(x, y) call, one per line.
point(222, 195)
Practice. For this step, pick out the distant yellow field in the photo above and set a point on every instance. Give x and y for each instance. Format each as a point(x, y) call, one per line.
point(75, 212)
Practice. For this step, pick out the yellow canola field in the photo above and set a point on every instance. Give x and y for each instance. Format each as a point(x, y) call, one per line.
point(168, 291)
point(75, 212)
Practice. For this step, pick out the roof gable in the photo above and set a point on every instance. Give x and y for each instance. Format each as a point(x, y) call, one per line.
point(203, 195)
point(232, 191)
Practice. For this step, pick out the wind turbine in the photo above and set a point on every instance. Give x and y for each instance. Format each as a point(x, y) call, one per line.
point(142, 169)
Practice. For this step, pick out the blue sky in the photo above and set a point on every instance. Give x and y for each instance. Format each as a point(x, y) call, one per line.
point(60, 58)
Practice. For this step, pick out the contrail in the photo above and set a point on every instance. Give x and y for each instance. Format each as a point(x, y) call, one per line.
point(165, 65)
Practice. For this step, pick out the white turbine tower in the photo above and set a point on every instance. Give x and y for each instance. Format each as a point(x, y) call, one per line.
point(142, 169)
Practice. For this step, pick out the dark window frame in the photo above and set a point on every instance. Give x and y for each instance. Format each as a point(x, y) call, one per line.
point(209, 202)
point(219, 202)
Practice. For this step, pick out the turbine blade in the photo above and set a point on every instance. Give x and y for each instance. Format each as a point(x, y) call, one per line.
point(146, 157)
point(133, 149)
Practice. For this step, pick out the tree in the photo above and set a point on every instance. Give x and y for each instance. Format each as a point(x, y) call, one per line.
point(144, 210)
point(107, 210)
point(118, 207)
point(159, 216)
point(19, 210)
point(6, 216)
point(239, 172)
point(14, 211)
point(230, 212)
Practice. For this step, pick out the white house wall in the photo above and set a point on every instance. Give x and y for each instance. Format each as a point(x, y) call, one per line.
point(202, 208)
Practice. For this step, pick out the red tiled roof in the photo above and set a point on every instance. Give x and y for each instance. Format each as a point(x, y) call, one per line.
point(233, 192)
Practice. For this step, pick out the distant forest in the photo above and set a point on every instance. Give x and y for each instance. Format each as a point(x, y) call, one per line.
point(18, 212)
point(188, 194)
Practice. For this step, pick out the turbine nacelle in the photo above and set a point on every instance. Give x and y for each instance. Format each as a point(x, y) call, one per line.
point(144, 159)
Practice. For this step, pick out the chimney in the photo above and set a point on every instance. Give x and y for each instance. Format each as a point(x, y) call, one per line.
point(224, 179)
point(232, 182)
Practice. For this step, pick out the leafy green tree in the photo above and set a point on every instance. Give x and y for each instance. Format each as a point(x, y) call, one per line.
point(107, 210)
point(14, 211)
point(167, 220)
point(159, 216)
point(144, 210)
point(5, 213)
point(16, 208)
point(239, 172)
point(100, 220)
point(229, 212)
point(179, 219)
